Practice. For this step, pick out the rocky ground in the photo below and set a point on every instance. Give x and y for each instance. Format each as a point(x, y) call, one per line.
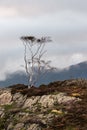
point(61, 105)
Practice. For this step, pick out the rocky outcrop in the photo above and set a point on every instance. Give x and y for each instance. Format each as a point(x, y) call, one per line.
point(5, 97)
point(20, 111)
point(48, 101)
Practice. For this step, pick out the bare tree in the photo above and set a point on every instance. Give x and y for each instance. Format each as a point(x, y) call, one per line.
point(33, 53)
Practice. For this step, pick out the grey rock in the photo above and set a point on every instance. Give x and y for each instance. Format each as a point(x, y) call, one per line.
point(19, 126)
point(5, 98)
point(19, 99)
point(34, 127)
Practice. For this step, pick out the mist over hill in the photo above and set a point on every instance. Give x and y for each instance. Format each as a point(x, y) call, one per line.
point(74, 71)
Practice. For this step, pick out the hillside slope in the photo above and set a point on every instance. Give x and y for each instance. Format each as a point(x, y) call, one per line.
point(57, 106)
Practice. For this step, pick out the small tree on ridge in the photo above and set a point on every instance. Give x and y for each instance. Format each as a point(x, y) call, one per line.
point(33, 57)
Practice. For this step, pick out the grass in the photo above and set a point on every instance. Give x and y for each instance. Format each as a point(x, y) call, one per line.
point(7, 107)
point(71, 128)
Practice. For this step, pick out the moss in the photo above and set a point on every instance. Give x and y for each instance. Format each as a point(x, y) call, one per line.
point(48, 111)
point(23, 129)
point(70, 128)
point(2, 124)
point(7, 107)
point(15, 120)
point(4, 121)
point(26, 111)
point(38, 107)
point(8, 116)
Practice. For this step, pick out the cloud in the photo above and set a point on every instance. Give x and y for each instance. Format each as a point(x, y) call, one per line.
point(39, 7)
point(65, 21)
point(29, 8)
point(10, 61)
point(7, 12)
point(77, 58)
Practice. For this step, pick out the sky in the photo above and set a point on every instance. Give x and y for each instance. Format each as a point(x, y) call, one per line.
point(65, 21)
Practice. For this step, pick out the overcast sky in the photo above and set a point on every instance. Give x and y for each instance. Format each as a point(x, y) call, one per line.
point(65, 21)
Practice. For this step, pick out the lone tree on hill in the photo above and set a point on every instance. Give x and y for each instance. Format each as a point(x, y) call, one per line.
point(33, 53)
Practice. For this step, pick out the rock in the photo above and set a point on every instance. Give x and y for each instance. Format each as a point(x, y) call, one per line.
point(47, 101)
point(60, 98)
point(31, 102)
point(34, 127)
point(1, 112)
point(10, 126)
point(19, 126)
point(19, 99)
point(50, 100)
point(5, 98)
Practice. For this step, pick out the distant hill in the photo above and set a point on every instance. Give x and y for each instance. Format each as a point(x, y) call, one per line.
point(74, 71)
